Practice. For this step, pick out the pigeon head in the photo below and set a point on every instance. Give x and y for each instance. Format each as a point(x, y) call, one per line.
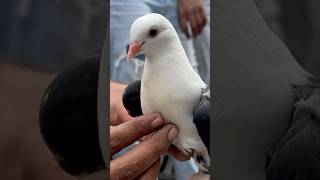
point(148, 33)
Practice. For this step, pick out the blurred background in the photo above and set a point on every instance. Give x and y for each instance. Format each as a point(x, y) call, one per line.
point(38, 38)
point(296, 23)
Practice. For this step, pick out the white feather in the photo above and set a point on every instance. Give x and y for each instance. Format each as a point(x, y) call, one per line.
point(169, 84)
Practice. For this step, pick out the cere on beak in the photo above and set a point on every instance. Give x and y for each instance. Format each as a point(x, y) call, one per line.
point(134, 49)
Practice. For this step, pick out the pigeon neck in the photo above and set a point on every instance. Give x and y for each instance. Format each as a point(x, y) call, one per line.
point(167, 51)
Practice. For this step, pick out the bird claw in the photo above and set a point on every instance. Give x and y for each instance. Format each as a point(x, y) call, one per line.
point(203, 163)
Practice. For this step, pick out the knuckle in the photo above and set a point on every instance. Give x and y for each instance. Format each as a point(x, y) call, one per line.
point(128, 171)
point(125, 173)
point(116, 139)
point(138, 126)
point(157, 148)
point(114, 143)
point(157, 116)
point(158, 142)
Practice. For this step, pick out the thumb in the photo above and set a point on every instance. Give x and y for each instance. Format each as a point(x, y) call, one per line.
point(163, 138)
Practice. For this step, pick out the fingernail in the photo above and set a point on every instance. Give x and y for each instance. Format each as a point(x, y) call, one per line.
point(173, 133)
point(156, 123)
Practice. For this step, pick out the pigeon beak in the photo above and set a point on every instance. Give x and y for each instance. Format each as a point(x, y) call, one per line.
point(134, 49)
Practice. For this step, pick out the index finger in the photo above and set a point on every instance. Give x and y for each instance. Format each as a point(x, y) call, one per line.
point(126, 133)
point(183, 14)
point(139, 159)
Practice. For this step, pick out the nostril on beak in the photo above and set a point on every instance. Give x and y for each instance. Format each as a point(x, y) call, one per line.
point(134, 49)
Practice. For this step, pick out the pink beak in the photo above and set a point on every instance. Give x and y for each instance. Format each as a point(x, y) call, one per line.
point(134, 49)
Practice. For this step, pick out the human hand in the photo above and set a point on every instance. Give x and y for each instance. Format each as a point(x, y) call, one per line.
point(118, 113)
point(143, 161)
point(191, 12)
point(131, 101)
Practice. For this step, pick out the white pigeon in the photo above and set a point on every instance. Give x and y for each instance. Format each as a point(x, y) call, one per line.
point(169, 84)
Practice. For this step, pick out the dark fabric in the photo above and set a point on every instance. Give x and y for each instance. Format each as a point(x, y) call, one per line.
point(302, 32)
point(253, 76)
point(298, 154)
point(104, 101)
point(296, 22)
point(68, 118)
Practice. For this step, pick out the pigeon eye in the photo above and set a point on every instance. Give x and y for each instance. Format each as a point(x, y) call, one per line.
point(153, 32)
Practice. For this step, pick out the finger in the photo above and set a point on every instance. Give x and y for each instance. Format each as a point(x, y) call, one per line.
point(184, 27)
point(140, 158)
point(202, 16)
point(198, 24)
point(120, 117)
point(126, 133)
point(200, 20)
point(145, 137)
point(193, 24)
point(177, 154)
point(204, 21)
point(191, 14)
point(152, 173)
point(183, 12)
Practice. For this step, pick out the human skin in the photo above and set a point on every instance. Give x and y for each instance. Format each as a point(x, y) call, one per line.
point(23, 153)
point(155, 134)
point(192, 12)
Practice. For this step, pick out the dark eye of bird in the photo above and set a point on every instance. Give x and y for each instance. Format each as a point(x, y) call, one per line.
point(153, 32)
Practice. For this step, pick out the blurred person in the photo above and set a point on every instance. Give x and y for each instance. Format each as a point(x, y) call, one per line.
point(180, 13)
point(201, 42)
